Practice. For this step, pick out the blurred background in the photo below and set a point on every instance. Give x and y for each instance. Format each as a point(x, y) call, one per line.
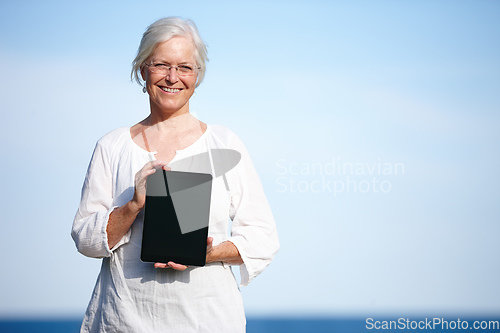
point(374, 126)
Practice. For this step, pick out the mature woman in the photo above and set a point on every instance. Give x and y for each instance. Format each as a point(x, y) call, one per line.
point(134, 296)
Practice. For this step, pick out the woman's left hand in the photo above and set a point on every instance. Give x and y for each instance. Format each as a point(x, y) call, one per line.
point(180, 267)
point(171, 264)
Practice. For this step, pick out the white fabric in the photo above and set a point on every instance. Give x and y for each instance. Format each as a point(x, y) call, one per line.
point(132, 296)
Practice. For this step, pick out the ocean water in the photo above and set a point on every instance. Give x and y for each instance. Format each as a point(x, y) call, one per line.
point(294, 325)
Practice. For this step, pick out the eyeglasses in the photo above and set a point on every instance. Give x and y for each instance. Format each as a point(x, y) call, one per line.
point(164, 69)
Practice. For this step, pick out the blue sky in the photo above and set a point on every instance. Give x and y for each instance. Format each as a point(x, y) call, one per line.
point(360, 87)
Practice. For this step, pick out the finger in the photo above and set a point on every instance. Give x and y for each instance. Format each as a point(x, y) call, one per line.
point(147, 170)
point(178, 267)
point(144, 174)
point(161, 265)
point(153, 165)
point(167, 168)
point(159, 164)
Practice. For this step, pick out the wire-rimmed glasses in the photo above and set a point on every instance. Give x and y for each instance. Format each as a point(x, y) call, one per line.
point(164, 69)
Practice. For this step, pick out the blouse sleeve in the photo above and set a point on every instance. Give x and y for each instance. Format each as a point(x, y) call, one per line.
point(253, 230)
point(91, 220)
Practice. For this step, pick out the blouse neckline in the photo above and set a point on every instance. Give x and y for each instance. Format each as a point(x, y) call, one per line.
point(177, 152)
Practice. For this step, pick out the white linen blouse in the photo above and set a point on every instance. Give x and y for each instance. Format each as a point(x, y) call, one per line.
point(133, 296)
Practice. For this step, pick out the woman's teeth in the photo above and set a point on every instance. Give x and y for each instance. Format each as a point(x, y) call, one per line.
point(172, 90)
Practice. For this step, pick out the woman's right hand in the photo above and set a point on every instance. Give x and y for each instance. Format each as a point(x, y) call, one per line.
point(122, 217)
point(139, 199)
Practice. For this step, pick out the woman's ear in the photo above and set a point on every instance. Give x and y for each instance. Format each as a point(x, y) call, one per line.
point(143, 73)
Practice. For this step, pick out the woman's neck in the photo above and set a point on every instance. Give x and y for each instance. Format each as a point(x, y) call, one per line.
point(173, 123)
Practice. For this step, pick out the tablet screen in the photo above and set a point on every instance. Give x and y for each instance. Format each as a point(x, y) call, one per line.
point(176, 217)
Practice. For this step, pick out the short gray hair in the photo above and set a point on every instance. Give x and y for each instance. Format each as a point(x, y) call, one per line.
point(163, 30)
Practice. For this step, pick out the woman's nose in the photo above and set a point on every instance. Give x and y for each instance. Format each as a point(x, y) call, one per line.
point(172, 75)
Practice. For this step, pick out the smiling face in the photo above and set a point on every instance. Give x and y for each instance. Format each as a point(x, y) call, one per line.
point(169, 94)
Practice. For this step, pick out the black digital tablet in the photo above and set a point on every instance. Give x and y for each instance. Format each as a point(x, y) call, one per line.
point(176, 217)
